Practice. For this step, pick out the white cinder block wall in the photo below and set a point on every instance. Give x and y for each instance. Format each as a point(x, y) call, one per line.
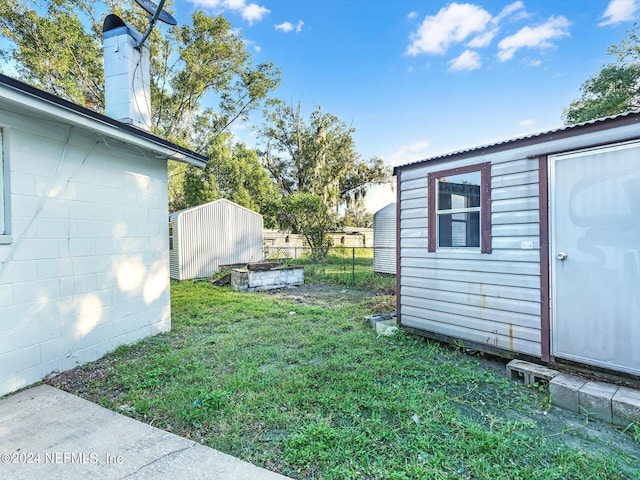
point(87, 269)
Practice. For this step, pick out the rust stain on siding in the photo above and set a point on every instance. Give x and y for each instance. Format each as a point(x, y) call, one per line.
point(511, 347)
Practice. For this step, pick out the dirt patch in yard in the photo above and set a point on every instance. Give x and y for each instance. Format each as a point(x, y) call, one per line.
point(321, 295)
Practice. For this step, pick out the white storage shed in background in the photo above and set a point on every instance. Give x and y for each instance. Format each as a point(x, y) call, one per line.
point(384, 240)
point(217, 233)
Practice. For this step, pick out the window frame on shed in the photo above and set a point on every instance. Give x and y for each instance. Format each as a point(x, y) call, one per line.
point(484, 207)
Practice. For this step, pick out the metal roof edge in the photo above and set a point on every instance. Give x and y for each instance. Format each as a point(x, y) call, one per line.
point(202, 205)
point(26, 89)
point(597, 124)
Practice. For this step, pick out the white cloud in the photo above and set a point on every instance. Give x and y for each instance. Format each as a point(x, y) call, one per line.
point(510, 10)
point(409, 153)
point(284, 27)
point(251, 12)
point(458, 22)
point(287, 27)
point(619, 11)
point(534, 37)
point(535, 63)
point(467, 61)
point(412, 15)
point(483, 40)
point(529, 122)
point(452, 24)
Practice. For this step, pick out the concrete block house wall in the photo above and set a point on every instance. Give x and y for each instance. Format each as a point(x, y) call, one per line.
point(87, 265)
point(84, 251)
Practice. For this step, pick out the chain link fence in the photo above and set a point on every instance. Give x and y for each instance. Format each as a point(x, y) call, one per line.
point(370, 267)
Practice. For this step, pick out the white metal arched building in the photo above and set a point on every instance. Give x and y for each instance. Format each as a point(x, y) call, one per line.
point(217, 233)
point(384, 240)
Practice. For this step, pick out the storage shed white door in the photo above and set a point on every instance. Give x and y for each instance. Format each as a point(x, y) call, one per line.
point(594, 207)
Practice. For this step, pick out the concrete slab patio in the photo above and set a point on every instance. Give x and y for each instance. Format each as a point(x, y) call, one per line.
point(46, 433)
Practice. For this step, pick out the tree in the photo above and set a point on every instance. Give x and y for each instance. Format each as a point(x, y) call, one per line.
point(232, 172)
point(60, 51)
point(316, 158)
point(306, 214)
point(356, 215)
point(614, 89)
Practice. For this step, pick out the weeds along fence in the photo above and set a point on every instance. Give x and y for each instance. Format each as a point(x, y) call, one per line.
point(351, 266)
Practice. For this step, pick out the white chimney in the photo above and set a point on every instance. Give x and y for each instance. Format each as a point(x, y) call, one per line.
point(127, 94)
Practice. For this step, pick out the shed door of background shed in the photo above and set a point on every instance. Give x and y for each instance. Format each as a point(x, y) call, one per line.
point(594, 207)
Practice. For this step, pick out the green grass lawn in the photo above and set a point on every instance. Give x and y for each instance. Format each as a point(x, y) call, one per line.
point(312, 392)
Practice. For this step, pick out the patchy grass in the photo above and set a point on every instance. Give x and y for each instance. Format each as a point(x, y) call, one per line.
point(347, 266)
point(311, 392)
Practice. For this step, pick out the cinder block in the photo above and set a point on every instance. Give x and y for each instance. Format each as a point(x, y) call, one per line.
point(563, 390)
point(36, 333)
point(530, 372)
point(94, 229)
point(23, 183)
point(23, 271)
point(81, 210)
point(82, 246)
point(7, 384)
point(625, 406)
point(41, 291)
point(92, 193)
point(594, 399)
point(18, 360)
point(55, 268)
point(6, 343)
point(6, 295)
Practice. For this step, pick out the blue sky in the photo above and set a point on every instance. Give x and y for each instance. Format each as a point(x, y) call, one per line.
point(420, 78)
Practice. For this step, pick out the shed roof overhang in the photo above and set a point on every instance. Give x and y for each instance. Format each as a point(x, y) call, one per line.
point(599, 130)
point(21, 96)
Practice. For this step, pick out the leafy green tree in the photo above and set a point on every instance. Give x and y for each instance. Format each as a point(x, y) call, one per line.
point(243, 179)
point(356, 215)
point(306, 214)
point(316, 158)
point(232, 172)
point(53, 51)
point(58, 48)
point(614, 89)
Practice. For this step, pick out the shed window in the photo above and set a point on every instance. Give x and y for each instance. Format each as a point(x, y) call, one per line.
point(171, 236)
point(459, 209)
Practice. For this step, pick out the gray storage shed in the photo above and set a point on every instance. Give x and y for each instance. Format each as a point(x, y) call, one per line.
point(217, 233)
point(529, 246)
point(384, 240)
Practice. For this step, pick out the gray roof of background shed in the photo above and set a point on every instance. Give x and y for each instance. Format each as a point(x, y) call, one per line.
point(597, 124)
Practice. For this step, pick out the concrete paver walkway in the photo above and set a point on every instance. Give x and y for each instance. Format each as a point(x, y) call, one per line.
point(46, 433)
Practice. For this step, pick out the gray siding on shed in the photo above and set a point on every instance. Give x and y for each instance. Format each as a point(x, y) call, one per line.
point(384, 240)
point(503, 299)
point(214, 234)
point(491, 299)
